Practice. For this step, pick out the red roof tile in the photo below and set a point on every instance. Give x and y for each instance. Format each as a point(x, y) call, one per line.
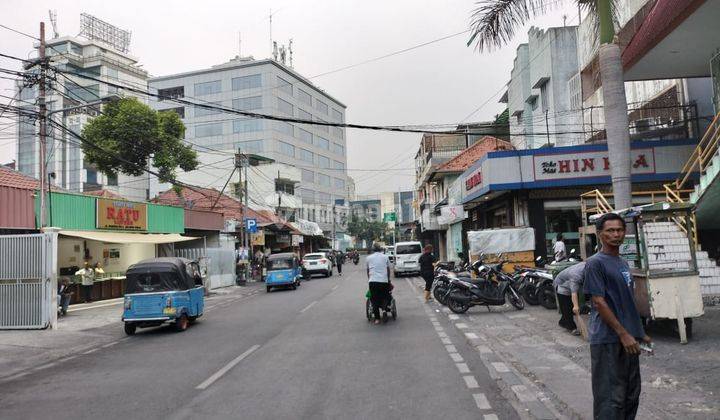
point(105, 194)
point(12, 178)
point(203, 199)
point(471, 155)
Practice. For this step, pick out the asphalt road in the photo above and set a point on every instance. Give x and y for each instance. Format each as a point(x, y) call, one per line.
point(308, 353)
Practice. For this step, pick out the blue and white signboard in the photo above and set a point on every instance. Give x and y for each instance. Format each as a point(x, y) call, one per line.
point(251, 225)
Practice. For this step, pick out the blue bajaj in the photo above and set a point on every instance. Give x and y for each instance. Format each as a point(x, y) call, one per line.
point(161, 290)
point(283, 270)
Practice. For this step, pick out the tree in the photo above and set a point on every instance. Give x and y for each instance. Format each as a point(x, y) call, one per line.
point(493, 25)
point(366, 230)
point(129, 135)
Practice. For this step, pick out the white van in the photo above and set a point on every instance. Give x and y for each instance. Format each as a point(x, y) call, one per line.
point(406, 257)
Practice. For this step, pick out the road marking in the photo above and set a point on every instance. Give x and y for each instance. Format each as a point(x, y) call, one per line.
point(96, 306)
point(523, 394)
point(456, 357)
point(439, 329)
point(217, 375)
point(49, 365)
point(446, 340)
point(500, 367)
point(471, 382)
point(442, 334)
point(461, 325)
point(92, 350)
point(309, 306)
point(453, 317)
point(490, 417)
point(451, 349)
point(108, 345)
point(463, 367)
point(471, 336)
point(481, 401)
point(484, 349)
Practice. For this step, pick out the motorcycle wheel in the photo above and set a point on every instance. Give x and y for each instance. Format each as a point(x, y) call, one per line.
point(546, 296)
point(456, 306)
point(529, 295)
point(514, 298)
point(439, 292)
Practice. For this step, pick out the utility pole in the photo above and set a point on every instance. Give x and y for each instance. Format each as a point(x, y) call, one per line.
point(43, 125)
point(333, 227)
point(239, 192)
point(246, 163)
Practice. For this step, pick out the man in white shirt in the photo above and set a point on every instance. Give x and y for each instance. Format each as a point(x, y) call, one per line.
point(559, 248)
point(378, 272)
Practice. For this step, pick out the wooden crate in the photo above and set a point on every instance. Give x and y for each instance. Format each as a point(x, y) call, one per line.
point(521, 258)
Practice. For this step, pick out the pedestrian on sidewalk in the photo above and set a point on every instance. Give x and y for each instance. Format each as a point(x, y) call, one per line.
point(615, 326)
point(559, 248)
point(339, 260)
point(88, 279)
point(378, 272)
point(567, 285)
point(64, 295)
point(427, 269)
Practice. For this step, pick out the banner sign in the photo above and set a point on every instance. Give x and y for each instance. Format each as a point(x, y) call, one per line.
point(121, 215)
point(588, 164)
point(451, 214)
point(257, 239)
point(297, 240)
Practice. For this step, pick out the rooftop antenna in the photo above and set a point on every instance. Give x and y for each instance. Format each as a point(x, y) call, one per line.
point(270, 18)
point(564, 20)
point(290, 52)
point(53, 21)
point(239, 44)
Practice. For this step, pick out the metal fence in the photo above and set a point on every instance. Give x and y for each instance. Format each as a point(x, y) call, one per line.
point(219, 264)
point(25, 292)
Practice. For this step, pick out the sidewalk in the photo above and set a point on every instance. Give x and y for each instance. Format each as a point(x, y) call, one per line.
point(539, 363)
point(86, 328)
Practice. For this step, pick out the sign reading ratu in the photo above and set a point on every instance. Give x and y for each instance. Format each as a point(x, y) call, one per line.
point(121, 215)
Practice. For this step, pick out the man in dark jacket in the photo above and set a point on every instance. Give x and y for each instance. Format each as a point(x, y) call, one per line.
point(427, 268)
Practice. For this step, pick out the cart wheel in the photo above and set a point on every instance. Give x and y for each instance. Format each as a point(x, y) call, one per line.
point(393, 310)
point(130, 328)
point(368, 310)
point(181, 323)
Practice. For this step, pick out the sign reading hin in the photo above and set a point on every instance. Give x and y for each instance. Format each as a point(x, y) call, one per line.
point(121, 215)
point(588, 164)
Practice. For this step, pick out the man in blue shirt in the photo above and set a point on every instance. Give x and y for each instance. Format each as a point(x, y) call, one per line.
point(615, 326)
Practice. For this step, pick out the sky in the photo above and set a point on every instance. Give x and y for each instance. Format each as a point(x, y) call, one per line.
point(441, 83)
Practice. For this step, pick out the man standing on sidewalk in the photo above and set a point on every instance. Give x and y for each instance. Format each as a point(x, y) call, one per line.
point(615, 326)
point(567, 285)
point(88, 279)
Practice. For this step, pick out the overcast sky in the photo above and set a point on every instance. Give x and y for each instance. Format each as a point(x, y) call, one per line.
point(436, 84)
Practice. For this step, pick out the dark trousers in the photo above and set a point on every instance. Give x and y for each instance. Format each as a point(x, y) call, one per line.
point(567, 318)
point(87, 293)
point(379, 296)
point(339, 267)
point(615, 382)
point(428, 276)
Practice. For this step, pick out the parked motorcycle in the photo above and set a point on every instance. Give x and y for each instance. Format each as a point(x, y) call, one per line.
point(545, 290)
point(445, 272)
point(492, 288)
point(527, 281)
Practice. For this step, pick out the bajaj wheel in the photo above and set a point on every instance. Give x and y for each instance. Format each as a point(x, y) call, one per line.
point(130, 328)
point(457, 306)
point(268, 288)
point(514, 298)
point(546, 296)
point(181, 323)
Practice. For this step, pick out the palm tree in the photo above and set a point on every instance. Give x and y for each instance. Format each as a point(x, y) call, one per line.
point(493, 25)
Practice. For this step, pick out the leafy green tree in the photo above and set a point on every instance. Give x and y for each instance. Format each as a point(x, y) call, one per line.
point(366, 230)
point(130, 135)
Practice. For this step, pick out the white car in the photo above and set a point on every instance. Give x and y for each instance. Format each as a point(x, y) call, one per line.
point(406, 258)
point(316, 263)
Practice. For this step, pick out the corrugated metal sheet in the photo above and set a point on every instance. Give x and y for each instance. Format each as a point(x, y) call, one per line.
point(165, 219)
point(16, 208)
point(69, 211)
point(203, 220)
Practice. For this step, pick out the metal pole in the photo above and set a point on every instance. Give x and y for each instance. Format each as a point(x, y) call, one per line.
point(43, 126)
point(238, 164)
point(246, 163)
point(333, 227)
point(547, 128)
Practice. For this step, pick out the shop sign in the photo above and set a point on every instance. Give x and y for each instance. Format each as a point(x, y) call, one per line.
point(121, 215)
point(588, 164)
point(451, 214)
point(283, 238)
point(473, 180)
point(297, 240)
point(257, 239)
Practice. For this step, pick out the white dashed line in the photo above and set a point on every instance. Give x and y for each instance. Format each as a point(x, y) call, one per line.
point(490, 417)
point(463, 367)
point(439, 329)
point(461, 325)
point(500, 367)
point(92, 350)
point(456, 357)
point(446, 340)
point(471, 336)
point(309, 306)
point(108, 345)
point(451, 349)
point(453, 317)
point(442, 334)
point(471, 382)
point(481, 401)
point(217, 375)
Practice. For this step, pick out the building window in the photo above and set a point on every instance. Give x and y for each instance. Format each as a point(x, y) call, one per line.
point(252, 146)
point(204, 112)
point(207, 130)
point(82, 93)
point(287, 149)
point(323, 128)
point(112, 180)
point(338, 132)
point(307, 196)
point(246, 104)
point(111, 73)
point(307, 156)
point(338, 149)
point(285, 107)
point(208, 88)
point(544, 97)
point(339, 183)
point(27, 93)
point(284, 86)
point(247, 126)
point(75, 49)
point(303, 115)
point(247, 82)
point(323, 162)
point(339, 165)
point(91, 176)
point(304, 97)
point(285, 128)
point(307, 176)
point(305, 135)
point(337, 115)
point(322, 143)
point(171, 93)
point(321, 106)
point(284, 187)
point(324, 198)
point(179, 110)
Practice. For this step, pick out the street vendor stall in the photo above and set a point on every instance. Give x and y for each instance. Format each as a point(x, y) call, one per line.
point(667, 281)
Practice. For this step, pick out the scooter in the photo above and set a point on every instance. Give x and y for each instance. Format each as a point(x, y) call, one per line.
point(494, 288)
